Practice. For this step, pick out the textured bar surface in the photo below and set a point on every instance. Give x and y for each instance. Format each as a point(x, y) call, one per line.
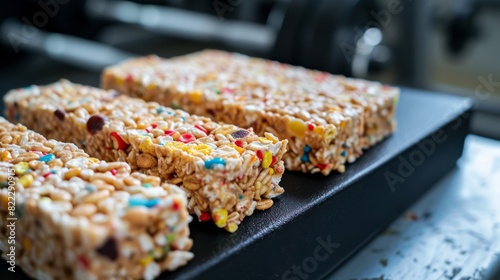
point(76, 217)
point(226, 171)
point(328, 119)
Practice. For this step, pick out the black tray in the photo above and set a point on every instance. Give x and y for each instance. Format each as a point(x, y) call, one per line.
point(290, 241)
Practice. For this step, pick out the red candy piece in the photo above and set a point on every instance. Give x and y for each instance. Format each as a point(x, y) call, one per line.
point(201, 128)
point(186, 138)
point(154, 125)
point(205, 217)
point(95, 124)
point(113, 171)
point(273, 161)
point(227, 90)
point(259, 154)
point(129, 78)
point(169, 132)
point(239, 143)
point(148, 130)
point(175, 206)
point(84, 262)
point(322, 166)
point(46, 175)
point(118, 142)
point(311, 126)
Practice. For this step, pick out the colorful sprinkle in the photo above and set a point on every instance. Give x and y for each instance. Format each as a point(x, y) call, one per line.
point(226, 90)
point(83, 143)
point(26, 180)
point(90, 188)
point(307, 149)
point(240, 133)
point(162, 253)
point(140, 201)
point(220, 217)
point(267, 159)
point(60, 114)
point(239, 143)
point(322, 166)
point(343, 153)
point(5, 184)
point(197, 96)
point(113, 172)
point(176, 206)
point(146, 260)
point(271, 171)
point(118, 143)
point(95, 124)
point(186, 138)
point(273, 162)
point(232, 227)
point(47, 158)
point(304, 158)
point(160, 110)
point(84, 262)
point(146, 185)
point(170, 132)
point(21, 168)
point(259, 154)
point(211, 162)
point(311, 126)
point(201, 128)
point(205, 217)
point(297, 127)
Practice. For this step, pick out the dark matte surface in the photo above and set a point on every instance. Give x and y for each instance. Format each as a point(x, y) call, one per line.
point(346, 209)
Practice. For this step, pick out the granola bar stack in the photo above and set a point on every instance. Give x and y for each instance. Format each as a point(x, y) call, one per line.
point(226, 171)
point(76, 217)
point(328, 119)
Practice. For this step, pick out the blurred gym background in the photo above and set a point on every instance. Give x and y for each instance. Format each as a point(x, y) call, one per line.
point(447, 46)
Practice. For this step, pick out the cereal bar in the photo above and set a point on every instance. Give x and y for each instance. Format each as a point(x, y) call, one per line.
point(226, 171)
point(65, 215)
point(328, 119)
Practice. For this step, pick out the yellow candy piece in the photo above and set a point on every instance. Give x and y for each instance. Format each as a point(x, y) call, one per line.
point(145, 145)
point(93, 160)
point(150, 86)
point(119, 80)
point(203, 148)
point(330, 133)
point(147, 260)
point(267, 158)
point(26, 180)
point(271, 171)
point(231, 227)
point(297, 127)
point(220, 217)
point(197, 96)
point(319, 130)
point(239, 149)
point(6, 156)
point(141, 126)
point(21, 168)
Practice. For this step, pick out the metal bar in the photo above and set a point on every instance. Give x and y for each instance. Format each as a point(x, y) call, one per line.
point(64, 48)
point(185, 24)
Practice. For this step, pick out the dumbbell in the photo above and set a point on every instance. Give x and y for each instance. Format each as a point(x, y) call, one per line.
point(321, 34)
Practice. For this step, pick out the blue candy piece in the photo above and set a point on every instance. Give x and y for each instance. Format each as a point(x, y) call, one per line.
point(211, 162)
point(139, 201)
point(5, 184)
point(307, 149)
point(160, 110)
point(90, 188)
point(343, 153)
point(47, 158)
point(304, 158)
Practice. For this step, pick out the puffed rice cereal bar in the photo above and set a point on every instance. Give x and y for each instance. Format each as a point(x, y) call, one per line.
point(226, 171)
point(328, 119)
point(66, 215)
